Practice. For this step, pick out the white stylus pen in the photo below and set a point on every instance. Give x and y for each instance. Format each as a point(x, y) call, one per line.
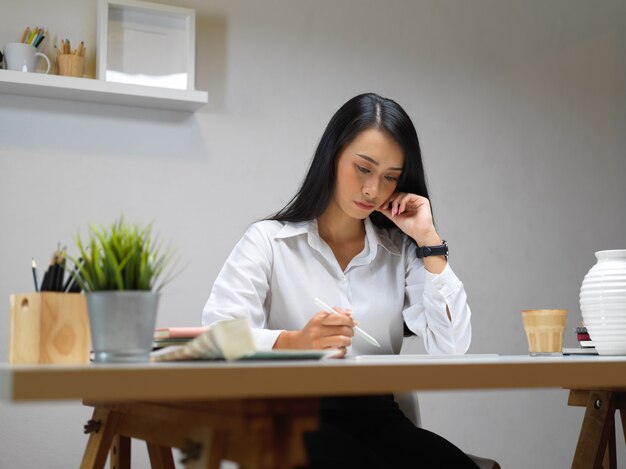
point(357, 329)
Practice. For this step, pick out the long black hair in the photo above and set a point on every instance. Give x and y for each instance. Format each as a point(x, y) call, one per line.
point(363, 112)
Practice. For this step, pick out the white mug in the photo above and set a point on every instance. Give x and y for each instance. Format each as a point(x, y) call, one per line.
point(23, 57)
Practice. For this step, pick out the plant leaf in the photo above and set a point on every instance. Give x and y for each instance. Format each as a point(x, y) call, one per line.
point(122, 257)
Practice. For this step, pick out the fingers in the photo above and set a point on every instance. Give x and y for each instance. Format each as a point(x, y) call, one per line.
point(390, 206)
point(322, 337)
point(341, 319)
point(402, 203)
point(324, 319)
point(341, 352)
point(327, 330)
point(333, 341)
point(347, 331)
point(332, 329)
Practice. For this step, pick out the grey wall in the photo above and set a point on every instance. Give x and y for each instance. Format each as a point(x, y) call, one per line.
point(520, 106)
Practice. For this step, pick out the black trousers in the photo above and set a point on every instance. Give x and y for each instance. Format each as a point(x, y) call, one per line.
point(372, 432)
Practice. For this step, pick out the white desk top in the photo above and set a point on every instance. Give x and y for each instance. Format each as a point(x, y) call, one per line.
point(221, 380)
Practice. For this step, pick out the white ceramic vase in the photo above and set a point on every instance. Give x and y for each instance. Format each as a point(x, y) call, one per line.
point(603, 302)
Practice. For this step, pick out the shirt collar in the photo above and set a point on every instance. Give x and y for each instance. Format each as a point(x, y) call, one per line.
point(375, 236)
point(381, 237)
point(291, 229)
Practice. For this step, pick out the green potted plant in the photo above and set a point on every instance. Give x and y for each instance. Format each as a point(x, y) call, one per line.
point(120, 270)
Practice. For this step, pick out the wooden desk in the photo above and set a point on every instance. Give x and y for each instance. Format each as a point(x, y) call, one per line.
point(240, 398)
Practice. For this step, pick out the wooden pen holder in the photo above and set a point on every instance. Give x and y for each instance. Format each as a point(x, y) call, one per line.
point(71, 65)
point(49, 327)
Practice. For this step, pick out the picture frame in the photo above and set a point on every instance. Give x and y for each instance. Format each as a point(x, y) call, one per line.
point(146, 43)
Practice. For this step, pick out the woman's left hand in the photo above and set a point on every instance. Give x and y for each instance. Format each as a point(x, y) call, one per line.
point(412, 214)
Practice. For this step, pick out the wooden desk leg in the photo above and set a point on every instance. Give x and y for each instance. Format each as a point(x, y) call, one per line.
point(209, 448)
point(219, 445)
point(205, 454)
point(100, 439)
point(160, 456)
point(595, 431)
point(119, 455)
point(610, 455)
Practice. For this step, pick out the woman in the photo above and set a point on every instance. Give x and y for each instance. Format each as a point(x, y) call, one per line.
point(351, 237)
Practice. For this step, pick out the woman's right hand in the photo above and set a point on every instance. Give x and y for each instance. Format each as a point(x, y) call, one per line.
point(323, 331)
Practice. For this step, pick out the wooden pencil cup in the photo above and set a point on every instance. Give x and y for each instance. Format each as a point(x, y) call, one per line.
point(71, 65)
point(49, 327)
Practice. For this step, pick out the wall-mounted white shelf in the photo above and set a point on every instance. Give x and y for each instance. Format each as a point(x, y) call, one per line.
point(99, 91)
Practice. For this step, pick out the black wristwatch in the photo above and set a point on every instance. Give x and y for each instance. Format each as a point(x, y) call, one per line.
point(439, 250)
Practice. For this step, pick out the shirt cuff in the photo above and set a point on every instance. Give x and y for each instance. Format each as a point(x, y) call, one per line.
point(264, 339)
point(446, 284)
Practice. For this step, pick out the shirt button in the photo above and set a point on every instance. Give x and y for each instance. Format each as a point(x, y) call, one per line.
point(344, 280)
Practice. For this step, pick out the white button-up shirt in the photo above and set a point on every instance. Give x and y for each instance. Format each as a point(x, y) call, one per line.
point(278, 268)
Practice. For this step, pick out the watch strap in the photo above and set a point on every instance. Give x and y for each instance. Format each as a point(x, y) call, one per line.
point(438, 250)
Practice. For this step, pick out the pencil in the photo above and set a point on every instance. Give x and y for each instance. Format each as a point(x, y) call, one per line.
point(25, 34)
point(32, 35)
point(34, 268)
point(39, 40)
point(46, 280)
point(53, 277)
point(36, 38)
point(60, 273)
point(52, 280)
point(59, 264)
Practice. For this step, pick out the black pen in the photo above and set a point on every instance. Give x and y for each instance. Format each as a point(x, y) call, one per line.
point(34, 267)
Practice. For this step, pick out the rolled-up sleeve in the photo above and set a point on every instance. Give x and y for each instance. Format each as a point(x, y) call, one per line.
point(242, 287)
point(425, 313)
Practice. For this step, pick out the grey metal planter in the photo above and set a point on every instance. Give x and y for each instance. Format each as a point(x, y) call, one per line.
point(122, 325)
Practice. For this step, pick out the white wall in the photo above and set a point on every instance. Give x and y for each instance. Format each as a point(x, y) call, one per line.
point(520, 106)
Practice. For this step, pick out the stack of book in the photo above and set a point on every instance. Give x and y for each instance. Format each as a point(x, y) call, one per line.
point(230, 340)
point(224, 340)
point(583, 337)
point(167, 336)
point(586, 345)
